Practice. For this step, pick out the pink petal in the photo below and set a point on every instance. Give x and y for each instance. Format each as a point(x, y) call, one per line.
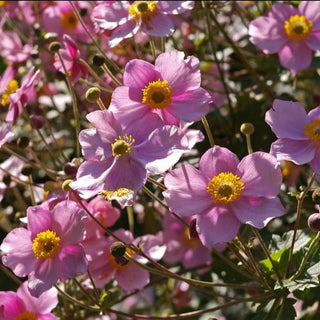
point(315, 162)
point(10, 305)
point(313, 41)
point(217, 226)
point(186, 192)
point(216, 160)
point(39, 219)
point(261, 174)
point(311, 10)
point(299, 152)
point(132, 277)
point(124, 31)
point(296, 56)
point(159, 26)
point(257, 211)
point(287, 119)
point(175, 7)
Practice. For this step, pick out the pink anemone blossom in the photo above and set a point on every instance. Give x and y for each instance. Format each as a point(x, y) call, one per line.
point(71, 59)
point(49, 249)
point(6, 133)
point(118, 156)
point(297, 132)
point(170, 89)
point(291, 32)
point(125, 18)
point(225, 192)
point(21, 305)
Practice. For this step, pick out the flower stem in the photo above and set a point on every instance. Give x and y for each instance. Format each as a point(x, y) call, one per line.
point(208, 131)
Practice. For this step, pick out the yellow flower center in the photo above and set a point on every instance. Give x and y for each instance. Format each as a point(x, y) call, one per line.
point(119, 263)
point(157, 94)
point(27, 315)
point(144, 11)
point(225, 188)
point(69, 20)
point(11, 88)
point(188, 240)
point(123, 193)
point(298, 27)
point(312, 131)
point(122, 145)
point(2, 3)
point(46, 245)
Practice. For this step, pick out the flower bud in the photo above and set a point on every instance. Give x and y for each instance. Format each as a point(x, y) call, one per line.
point(118, 249)
point(316, 196)
point(26, 169)
point(247, 128)
point(23, 142)
point(65, 185)
point(6, 179)
point(70, 169)
point(54, 46)
point(314, 222)
point(93, 94)
point(98, 60)
point(37, 121)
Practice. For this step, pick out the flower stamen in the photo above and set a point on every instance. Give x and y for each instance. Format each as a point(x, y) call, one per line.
point(312, 131)
point(225, 188)
point(122, 145)
point(298, 27)
point(46, 245)
point(157, 94)
point(143, 11)
point(69, 20)
point(11, 88)
point(26, 315)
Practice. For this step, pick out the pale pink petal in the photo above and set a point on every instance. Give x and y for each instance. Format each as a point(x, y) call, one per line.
point(39, 219)
point(197, 256)
point(315, 162)
point(287, 119)
point(311, 10)
point(296, 56)
point(72, 261)
point(257, 211)
point(297, 151)
point(267, 34)
point(217, 160)
point(313, 41)
point(44, 304)
point(261, 175)
point(67, 222)
point(175, 7)
point(313, 114)
point(124, 31)
point(159, 26)
point(186, 192)
point(217, 226)
point(132, 277)
point(180, 73)
point(283, 12)
point(139, 73)
point(6, 132)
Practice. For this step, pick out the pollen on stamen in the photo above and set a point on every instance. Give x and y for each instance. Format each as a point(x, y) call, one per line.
point(157, 94)
point(143, 10)
point(312, 131)
point(225, 188)
point(298, 27)
point(12, 87)
point(46, 245)
point(123, 145)
point(26, 315)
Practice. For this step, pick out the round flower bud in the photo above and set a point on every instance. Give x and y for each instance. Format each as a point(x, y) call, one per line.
point(70, 169)
point(37, 121)
point(93, 94)
point(316, 196)
point(118, 249)
point(23, 142)
point(54, 46)
point(26, 169)
point(98, 60)
point(247, 128)
point(314, 222)
point(6, 179)
point(193, 234)
point(121, 261)
point(65, 185)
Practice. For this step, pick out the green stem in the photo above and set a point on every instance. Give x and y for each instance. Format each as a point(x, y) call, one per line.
point(130, 218)
point(208, 131)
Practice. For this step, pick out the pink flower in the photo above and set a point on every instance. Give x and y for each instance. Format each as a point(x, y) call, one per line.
point(291, 32)
point(297, 133)
point(152, 17)
point(118, 156)
point(226, 192)
point(170, 88)
point(183, 243)
point(21, 305)
point(6, 132)
point(128, 275)
point(49, 249)
point(18, 97)
point(71, 59)
point(11, 47)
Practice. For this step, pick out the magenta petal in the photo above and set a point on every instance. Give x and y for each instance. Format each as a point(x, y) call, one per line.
point(217, 226)
point(216, 160)
point(287, 119)
point(18, 253)
point(132, 277)
point(68, 222)
point(10, 305)
point(39, 219)
point(299, 152)
point(261, 174)
point(295, 56)
point(44, 304)
point(138, 73)
point(186, 192)
point(72, 261)
point(159, 26)
point(44, 277)
point(257, 211)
